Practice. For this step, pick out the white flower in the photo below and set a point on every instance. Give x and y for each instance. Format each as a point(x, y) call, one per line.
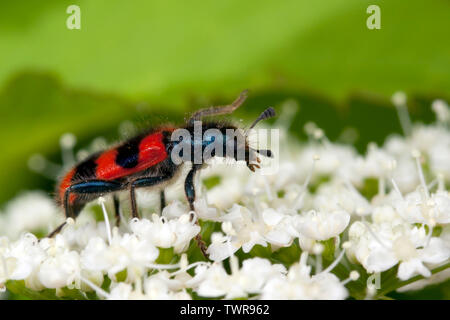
point(319, 225)
point(397, 146)
point(377, 163)
point(157, 288)
point(294, 198)
point(405, 174)
point(266, 185)
point(232, 183)
point(312, 197)
point(216, 283)
point(30, 211)
point(278, 227)
point(77, 235)
point(60, 270)
point(157, 231)
point(246, 229)
point(154, 289)
point(20, 258)
point(232, 187)
point(249, 279)
point(125, 252)
point(386, 214)
point(306, 244)
point(413, 259)
point(206, 212)
point(445, 235)
point(384, 247)
point(424, 138)
point(422, 283)
point(440, 107)
point(221, 247)
point(256, 271)
point(440, 202)
point(409, 208)
point(399, 98)
point(334, 160)
point(166, 233)
point(299, 284)
point(123, 291)
point(334, 197)
point(440, 157)
point(175, 209)
point(416, 208)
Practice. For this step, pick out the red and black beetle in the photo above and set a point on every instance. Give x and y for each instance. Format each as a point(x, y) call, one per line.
point(145, 161)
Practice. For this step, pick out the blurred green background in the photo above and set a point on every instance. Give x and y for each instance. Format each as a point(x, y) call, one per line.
point(159, 59)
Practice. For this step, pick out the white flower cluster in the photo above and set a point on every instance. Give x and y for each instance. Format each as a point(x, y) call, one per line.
point(82, 254)
point(389, 208)
point(31, 211)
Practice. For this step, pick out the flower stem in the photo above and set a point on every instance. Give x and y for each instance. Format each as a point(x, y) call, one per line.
point(400, 284)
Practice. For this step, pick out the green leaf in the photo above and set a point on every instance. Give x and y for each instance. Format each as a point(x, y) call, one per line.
point(165, 255)
point(211, 182)
point(394, 285)
point(357, 289)
point(194, 253)
point(36, 109)
point(260, 251)
point(106, 283)
point(329, 247)
point(369, 188)
point(317, 182)
point(122, 275)
point(431, 292)
point(281, 193)
point(208, 47)
point(207, 228)
point(18, 287)
point(287, 255)
point(72, 294)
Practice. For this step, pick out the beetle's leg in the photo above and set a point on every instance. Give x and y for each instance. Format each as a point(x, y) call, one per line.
point(141, 183)
point(93, 187)
point(116, 209)
point(56, 231)
point(162, 197)
point(66, 213)
point(189, 188)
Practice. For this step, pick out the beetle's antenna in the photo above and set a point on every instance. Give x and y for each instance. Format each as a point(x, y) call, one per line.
point(265, 152)
point(219, 110)
point(266, 114)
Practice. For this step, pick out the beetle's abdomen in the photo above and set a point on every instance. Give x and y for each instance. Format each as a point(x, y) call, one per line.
point(135, 155)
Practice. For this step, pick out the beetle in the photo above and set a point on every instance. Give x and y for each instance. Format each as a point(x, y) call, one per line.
point(145, 161)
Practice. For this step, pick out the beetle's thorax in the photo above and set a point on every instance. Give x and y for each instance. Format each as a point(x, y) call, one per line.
point(202, 141)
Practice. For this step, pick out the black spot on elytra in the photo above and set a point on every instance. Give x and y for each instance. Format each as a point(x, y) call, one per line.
point(86, 169)
point(128, 153)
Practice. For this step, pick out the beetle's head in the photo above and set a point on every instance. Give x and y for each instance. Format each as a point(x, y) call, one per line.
point(225, 140)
